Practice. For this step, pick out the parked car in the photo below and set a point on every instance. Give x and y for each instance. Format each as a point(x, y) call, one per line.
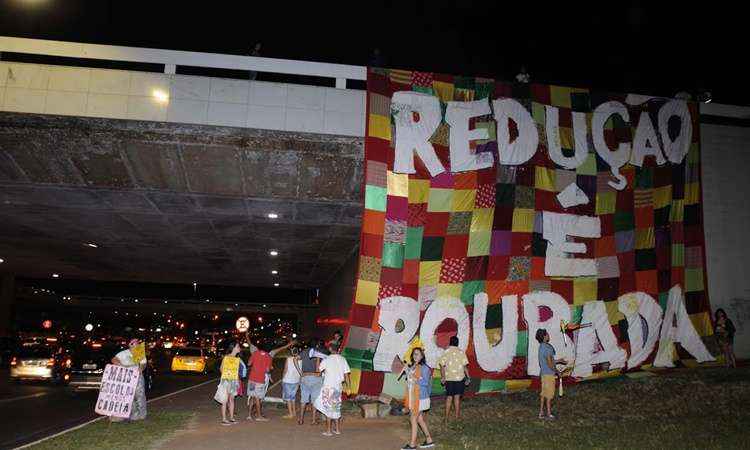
point(40, 363)
point(88, 362)
point(193, 359)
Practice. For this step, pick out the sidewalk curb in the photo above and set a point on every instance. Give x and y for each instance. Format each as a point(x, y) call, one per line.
point(39, 441)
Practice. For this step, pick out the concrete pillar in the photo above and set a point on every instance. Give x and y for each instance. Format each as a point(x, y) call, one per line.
point(7, 302)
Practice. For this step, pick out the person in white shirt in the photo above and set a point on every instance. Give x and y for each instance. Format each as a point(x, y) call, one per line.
point(290, 382)
point(335, 373)
point(125, 358)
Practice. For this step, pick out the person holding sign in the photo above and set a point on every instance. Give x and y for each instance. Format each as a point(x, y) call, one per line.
point(134, 356)
point(229, 384)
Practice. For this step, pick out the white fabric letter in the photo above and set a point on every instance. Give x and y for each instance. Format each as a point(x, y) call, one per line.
point(572, 196)
point(683, 332)
point(554, 147)
point(392, 342)
point(677, 149)
point(636, 306)
point(560, 311)
point(499, 357)
point(457, 115)
point(437, 312)
point(645, 142)
point(524, 146)
point(556, 228)
point(595, 313)
point(414, 135)
point(619, 157)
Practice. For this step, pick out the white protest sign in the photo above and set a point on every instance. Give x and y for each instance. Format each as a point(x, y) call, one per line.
point(117, 391)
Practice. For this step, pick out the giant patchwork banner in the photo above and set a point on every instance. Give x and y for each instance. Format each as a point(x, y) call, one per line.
point(495, 209)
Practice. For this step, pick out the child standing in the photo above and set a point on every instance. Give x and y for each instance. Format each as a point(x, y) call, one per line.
point(335, 372)
point(725, 335)
point(418, 389)
point(290, 382)
point(547, 372)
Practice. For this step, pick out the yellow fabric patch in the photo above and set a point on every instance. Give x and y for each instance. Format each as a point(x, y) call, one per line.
point(419, 191)
point(662, 196)
point(380, 127)
point(443, 90)
point(481, 219)
point(354, 375)
point(566, 138)
point(584, 290)
point(613, 314)
point(560, 96)
point(398, 184)
point(645, 238)
point(367, 292)
point(544, 178)
point(479, 243)
point(451, 290)
point(702, 323)
point(677, 213)
point(523, 220)
point(517, 385)
point(429, 273)
point(692, 193)
point(605, 203)
point(463, 199)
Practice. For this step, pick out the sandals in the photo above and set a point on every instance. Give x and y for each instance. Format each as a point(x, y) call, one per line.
point(226, 423)
point(426, 444)
point(408, 447)
point(327, 434)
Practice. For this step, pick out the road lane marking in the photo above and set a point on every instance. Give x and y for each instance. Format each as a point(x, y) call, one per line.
point(12, 399)
point(104, 417)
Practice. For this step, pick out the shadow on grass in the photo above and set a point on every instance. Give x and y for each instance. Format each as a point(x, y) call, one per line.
point(120, 435)
point(702, 408)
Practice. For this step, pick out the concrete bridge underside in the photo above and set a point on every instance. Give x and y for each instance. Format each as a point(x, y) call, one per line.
point(170, 202)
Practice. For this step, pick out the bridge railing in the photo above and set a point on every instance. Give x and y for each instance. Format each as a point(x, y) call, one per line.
point(171, 59)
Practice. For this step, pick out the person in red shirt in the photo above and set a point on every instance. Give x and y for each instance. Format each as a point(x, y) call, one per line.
point(259, 376)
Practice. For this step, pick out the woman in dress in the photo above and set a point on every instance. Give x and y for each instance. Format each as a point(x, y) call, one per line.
point(725, 335)
point(418, 390)
point(230, 368)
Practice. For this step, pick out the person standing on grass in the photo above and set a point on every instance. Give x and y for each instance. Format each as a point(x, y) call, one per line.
point(290, 382)
point(454, 375)
point(311, 381)
point(230, 381)
point(125, 358)
point(260, 364)
point(418, 389)
point(335, 371)
point(547, 372)
point(725, 336)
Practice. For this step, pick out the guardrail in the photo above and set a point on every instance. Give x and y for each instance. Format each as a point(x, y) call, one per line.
point(171, 59)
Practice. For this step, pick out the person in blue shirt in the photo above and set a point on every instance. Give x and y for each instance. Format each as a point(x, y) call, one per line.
point(547, 372)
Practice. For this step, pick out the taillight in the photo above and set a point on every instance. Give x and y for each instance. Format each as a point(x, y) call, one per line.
point(13, 361)
point(50, 362)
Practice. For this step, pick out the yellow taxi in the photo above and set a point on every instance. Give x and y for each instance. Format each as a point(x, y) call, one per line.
point(192, 359)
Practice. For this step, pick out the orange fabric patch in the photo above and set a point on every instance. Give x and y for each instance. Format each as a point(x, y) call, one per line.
point(604, 246)
point(373, 222)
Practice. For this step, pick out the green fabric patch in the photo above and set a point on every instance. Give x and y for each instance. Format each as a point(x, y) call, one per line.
point(392, 386)
point(437, 388)
point(358, 359)
point(694, 280)
point(413, 242)
point(525, 197)
point(538, 113)
point(644, 178)
point(479, 243)
point(423, 89)
point(393, 255)
point(464, 82)
point(375, 197)
point(432, 248)
point(624, 221)
point(588, 167)
point(483, 90)
point(440, 200)
point(471, 288)
point(678, 255)
point(505, 194)
point(487, 385)
point(494, 317)
point(522, 347)
point(576, 314)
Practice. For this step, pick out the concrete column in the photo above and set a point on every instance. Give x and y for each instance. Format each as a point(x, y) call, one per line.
point(7, 302)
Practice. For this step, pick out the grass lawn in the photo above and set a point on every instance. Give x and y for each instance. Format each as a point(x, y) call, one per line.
point(135, 435)
point(700, 408)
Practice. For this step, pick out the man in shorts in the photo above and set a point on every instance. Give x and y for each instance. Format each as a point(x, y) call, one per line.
point(454, 375)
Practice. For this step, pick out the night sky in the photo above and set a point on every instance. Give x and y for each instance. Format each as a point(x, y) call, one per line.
point(617, 46)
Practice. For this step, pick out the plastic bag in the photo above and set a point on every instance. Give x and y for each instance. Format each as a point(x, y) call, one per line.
point(221, 394)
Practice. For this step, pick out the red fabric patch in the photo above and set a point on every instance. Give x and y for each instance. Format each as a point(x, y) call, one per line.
point(485, 196)
point(452, 270)
point(371, 245)
point(437, 223)
point(456, 246)
point(497, 268)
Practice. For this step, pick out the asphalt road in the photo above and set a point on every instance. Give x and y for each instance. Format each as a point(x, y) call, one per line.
point(30, 411)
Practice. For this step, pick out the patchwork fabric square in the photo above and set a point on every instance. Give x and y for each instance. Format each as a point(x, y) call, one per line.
point(520, 268)
point(459, 223)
